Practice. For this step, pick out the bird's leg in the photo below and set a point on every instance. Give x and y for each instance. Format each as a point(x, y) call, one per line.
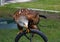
point(20, 31)
point(34, 27)
point(27, 30)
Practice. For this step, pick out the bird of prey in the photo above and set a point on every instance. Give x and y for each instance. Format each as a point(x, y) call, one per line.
point(26, 18)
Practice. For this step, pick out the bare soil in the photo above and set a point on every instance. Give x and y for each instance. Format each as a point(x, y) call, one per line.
point(50, 15)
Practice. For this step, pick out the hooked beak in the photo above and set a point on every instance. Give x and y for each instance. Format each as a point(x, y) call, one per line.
point(26, 26)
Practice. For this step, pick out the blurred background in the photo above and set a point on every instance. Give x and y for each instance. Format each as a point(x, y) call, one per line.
point(50, 26)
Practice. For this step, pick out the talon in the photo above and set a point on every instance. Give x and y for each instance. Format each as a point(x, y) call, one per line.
point(28, 30)
point(20, 31)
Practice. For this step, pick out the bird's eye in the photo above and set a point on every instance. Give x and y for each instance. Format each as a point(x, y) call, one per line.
point(22, 23)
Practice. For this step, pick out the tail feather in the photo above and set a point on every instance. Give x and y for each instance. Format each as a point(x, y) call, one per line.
point(42, 16)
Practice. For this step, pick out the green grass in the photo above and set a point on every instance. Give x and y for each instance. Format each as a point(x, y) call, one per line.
point(51, 28)
point(39, 4)
point(6, 11)
point(7, 35)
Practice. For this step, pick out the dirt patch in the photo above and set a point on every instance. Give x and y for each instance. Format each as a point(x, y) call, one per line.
point(50, 15)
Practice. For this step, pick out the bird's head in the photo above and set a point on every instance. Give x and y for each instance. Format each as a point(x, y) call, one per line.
point(23, 21)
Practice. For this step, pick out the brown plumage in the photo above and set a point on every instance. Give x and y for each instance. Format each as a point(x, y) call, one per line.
point(32, 16)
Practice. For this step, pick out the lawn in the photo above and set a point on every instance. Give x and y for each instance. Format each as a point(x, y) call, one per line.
point(51, 28)
point(39, 4)
point(6, 11)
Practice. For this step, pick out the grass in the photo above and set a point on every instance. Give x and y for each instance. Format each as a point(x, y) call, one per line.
point(39, 4)
point(6, 11)
point(51, 28)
